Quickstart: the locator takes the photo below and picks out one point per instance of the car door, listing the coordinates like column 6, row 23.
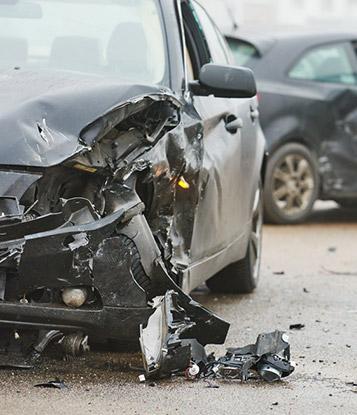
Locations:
column 229, row 138
column 333, row 67
column 346, row 137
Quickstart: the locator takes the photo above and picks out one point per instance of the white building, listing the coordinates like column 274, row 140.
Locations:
column 265, row 14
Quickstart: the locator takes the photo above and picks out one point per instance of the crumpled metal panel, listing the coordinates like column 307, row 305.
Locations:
column 15, row 183
column 43, row 115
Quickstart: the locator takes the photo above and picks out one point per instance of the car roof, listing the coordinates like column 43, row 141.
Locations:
column 277, row 52
column 263, row 42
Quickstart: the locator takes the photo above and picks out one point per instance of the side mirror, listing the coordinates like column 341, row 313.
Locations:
column 225, row 82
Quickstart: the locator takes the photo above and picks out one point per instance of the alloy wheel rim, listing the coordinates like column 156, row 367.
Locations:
column 293, row 184
column 255, row 245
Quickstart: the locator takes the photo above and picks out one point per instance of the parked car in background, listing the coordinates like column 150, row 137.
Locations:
column 307, row 86
column 130, row 164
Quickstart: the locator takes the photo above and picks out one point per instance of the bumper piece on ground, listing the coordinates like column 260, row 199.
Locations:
column 172, row 343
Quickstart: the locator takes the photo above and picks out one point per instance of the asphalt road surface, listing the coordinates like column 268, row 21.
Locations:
column 309, row 276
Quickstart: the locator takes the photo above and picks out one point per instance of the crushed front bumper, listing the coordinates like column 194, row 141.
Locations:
column 76, row 248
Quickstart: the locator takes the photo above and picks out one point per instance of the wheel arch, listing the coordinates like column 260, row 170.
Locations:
column 286, row 129
column 292, row 139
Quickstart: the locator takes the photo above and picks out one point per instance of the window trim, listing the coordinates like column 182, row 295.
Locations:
column 219, row 35
column 197, row 35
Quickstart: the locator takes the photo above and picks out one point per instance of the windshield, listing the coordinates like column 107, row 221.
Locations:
column 122, row 38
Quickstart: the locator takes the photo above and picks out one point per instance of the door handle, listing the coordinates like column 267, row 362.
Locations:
column 254, row 114
column 233, row 124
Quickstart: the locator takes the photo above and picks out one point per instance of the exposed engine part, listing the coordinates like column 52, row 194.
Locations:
column 74, row 297
column 74, row 344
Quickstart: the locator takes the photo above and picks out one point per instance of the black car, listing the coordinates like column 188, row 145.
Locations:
column 130, row 164
column 308, row 103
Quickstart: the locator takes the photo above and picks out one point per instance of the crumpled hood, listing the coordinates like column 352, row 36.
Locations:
column 43, row 113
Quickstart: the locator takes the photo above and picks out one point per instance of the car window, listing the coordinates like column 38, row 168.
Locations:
column 329, row 64
column 215, row 41
column 243, row 52
column 112, row 38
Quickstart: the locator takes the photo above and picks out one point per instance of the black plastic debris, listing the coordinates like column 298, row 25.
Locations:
column 54, row 384
column 340, row 273
column 297, row 326
column 171, row 343
column 176, row 334
column 267, row 359
column 210, row 384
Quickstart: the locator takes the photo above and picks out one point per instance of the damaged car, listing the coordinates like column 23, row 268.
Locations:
column 131, row 164
column 308, row 105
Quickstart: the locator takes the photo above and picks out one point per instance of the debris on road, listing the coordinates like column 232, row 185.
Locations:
column 298, row 326
column 340, row 273
column 173, row 342
column 269, row 358
column 176, row 334
column 142, row 378
column 353, row 386
column 279, row 273
column 54, row 384
column 210, row 384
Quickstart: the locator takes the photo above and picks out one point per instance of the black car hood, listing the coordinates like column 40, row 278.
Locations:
column 42, row 114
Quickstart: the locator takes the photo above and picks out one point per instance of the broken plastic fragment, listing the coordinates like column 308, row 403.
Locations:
column 269, row 358
column 55, row 384
column 297, row 326
column 176, row 334
column 170, row 344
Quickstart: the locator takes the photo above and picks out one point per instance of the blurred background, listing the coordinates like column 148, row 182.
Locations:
column 272, row 15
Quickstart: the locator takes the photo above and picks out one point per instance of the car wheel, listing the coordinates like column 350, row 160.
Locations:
column 291, row 185
column 242, row 277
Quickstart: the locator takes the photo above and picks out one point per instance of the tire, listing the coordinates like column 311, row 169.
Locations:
column 291, row 185
column 242, row 276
